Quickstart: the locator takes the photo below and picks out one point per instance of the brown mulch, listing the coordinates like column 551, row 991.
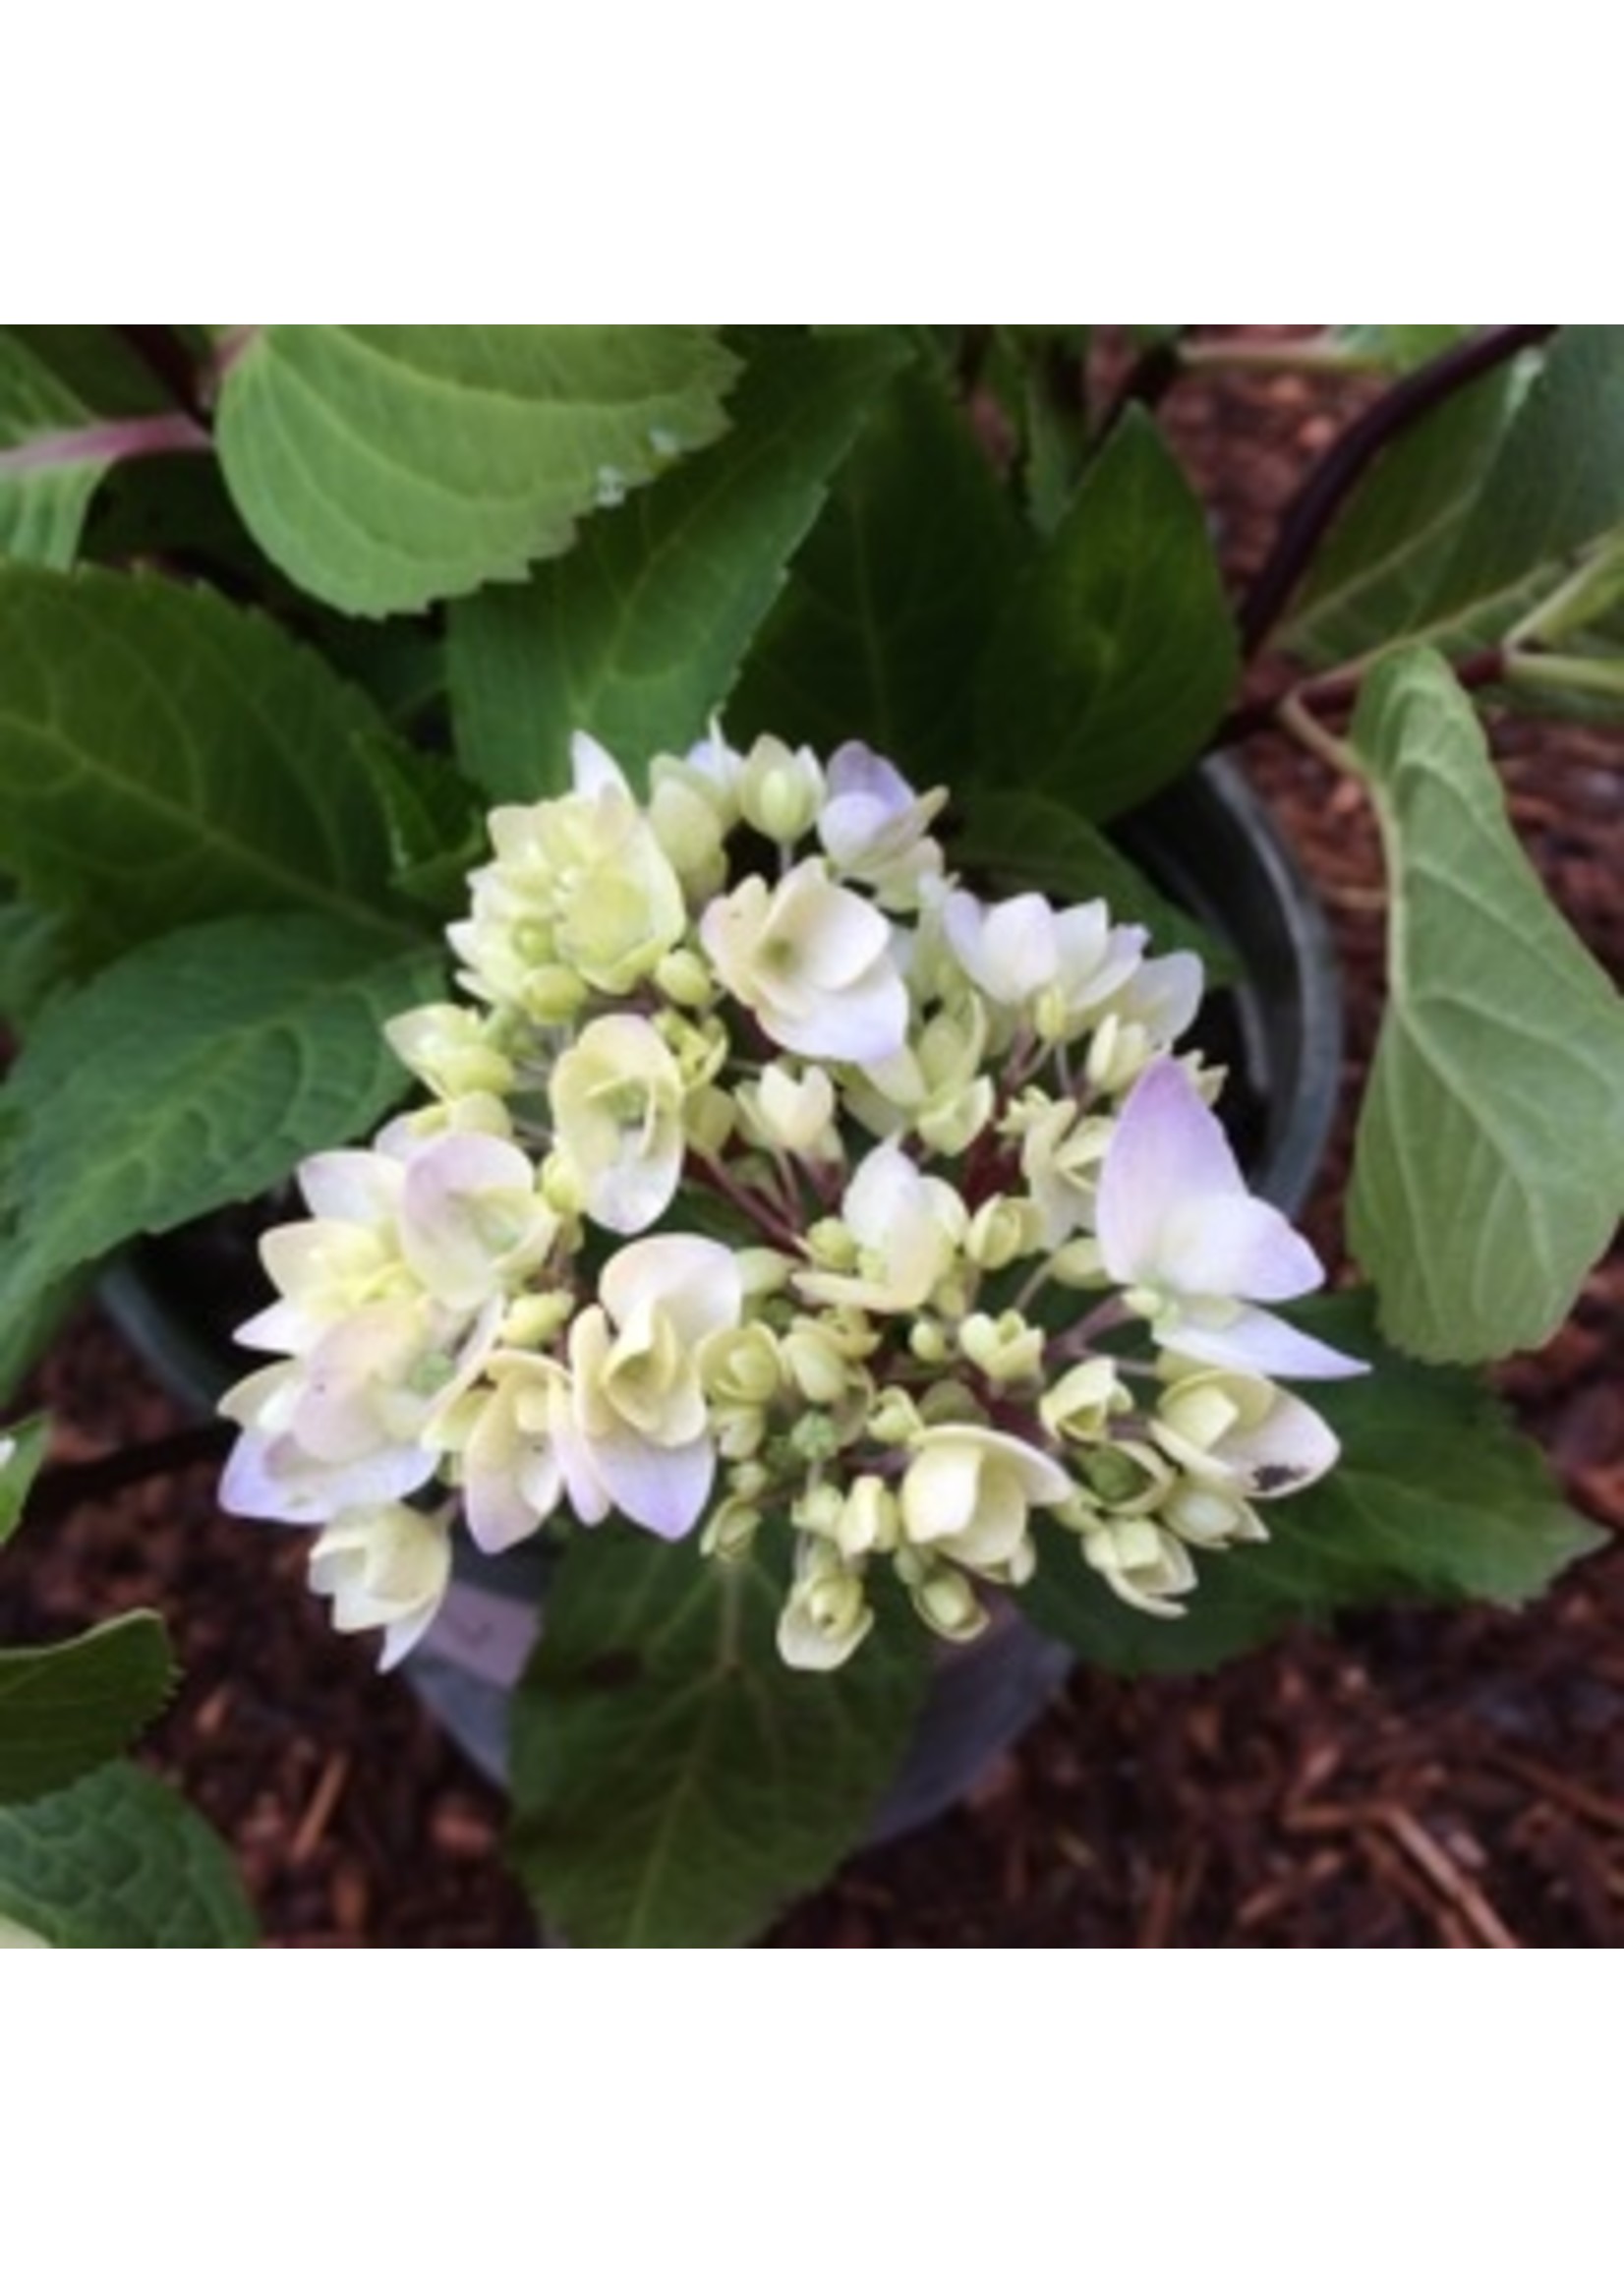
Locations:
column 1416, row 1778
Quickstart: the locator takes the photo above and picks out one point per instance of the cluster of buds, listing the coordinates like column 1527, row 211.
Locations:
column 774, row 1184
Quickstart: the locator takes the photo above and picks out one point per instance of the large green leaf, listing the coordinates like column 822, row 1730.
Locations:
column 1557, row 483
column 1467, row 523
column 195, row 1071
column 1489, row 1162
column 27, row 1441
column 894, row 595
column 119, row 1862
column 166, row 757
column 68, row 1707
column 1117, row 653
column 674, row 1784
column 1375, row 572
column 385, row 466
column 638, row 634
column 1437, row 1497
column 58, row 436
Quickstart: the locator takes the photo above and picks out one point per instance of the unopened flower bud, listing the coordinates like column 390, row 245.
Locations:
column 929, row 1342
column 1128, row 1480
column 1080, row 1405
column 684, row 979
column 894, row 1419
column 781, row 792
column 1005, row 1348
column 1002, row 1229
column 950, row 1605
column 815, row 1364
column 730, row 1532
column 868, row 1520
column 532, row 1321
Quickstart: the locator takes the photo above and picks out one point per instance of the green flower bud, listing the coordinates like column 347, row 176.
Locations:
column 950, row 1605
column 730, row 1532
column 1005, row 1348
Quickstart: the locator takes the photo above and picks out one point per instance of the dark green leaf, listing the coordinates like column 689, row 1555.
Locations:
column 69, row 1707
column 119, row 1862
column 54, row 448
column 1117, row 653
column 437, row 824
column 165, row 757
column 195, row 1071
column 97, row 366
column 1489, row 1163
column 637, row 635
column 1437, row 1497
column 894, row 595
column 385, row 466
column 37, row 957
column 674, row 1784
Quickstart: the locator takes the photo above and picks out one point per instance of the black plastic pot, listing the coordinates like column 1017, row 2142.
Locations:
column 1208, row 844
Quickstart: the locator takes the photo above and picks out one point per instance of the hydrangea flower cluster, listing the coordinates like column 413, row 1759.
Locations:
column 774, row 1181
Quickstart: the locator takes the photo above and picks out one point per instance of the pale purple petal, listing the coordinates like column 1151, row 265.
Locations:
column 661, row 1487
column 1168, row 1155
column 593, row 769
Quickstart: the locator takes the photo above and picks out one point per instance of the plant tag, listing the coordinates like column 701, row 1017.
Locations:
column 485, row 1634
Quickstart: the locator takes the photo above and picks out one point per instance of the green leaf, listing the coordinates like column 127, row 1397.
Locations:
column 894, row 595
column 1557, row 483
column 50, row 458
column 1437, row 1497
column 437, row 824
column 19, row 1466
column 68, row 1707
column 1489, row 1162
column 95, row 364
column 1397, row 347
column 385, row 466
column 674, row 1784
column 165, row 757
column 119, row 1862
column 1483, row 510
column 637, row 635
column 1116, row 655
column 37, row 956
column 1375, row 573
column 195, row 1071
column 30, row 1320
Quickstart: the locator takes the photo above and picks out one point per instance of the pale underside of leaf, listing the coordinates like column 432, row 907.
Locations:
column 1490, row 1167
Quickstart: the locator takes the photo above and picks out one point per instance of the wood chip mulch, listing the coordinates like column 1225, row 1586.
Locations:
column 1416, row 1778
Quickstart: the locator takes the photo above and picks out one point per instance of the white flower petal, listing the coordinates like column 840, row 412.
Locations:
column 1238, row 1246
column 1253, row 1342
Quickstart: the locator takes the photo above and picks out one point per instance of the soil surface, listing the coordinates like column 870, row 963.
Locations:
column 1416, row 1778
